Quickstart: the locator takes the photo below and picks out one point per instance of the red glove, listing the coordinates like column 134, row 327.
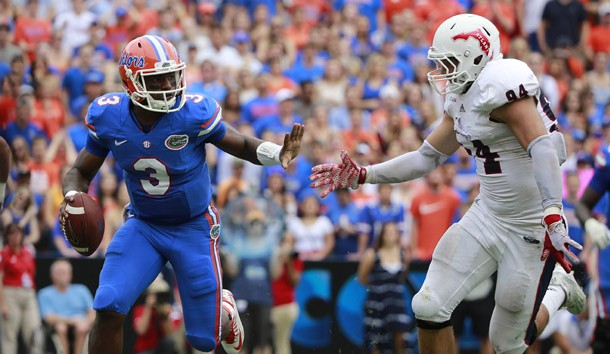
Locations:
column 557, row 242
column 336, row 176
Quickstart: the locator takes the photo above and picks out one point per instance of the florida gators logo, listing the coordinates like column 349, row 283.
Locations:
column 215, row 231
column 176, row 142
column 479, row 36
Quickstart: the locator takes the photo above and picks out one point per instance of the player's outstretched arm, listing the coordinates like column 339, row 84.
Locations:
column 262, row 152
column 5, row 165
column 79, row 177
column 441, row 143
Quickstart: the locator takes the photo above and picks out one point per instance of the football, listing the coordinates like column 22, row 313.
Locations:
column 84, row 226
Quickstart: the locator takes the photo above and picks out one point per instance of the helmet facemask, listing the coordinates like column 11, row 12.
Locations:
column 149, row 83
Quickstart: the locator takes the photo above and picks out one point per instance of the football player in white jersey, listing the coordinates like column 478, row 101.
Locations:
column 494, row 109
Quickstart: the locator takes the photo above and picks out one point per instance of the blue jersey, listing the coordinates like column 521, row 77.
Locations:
column 372, row 218
column 600, row 182
column 165, row 168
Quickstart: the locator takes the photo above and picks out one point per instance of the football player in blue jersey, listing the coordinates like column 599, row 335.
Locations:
column 157, row 133
column 597, row 232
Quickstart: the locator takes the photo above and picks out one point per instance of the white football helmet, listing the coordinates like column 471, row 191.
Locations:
column 462, row 45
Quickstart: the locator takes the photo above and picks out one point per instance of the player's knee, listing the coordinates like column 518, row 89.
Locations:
column 203, row 344
column 427, row 307
column 107, row 299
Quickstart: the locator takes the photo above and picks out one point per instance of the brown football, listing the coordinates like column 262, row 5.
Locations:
column 84, row 226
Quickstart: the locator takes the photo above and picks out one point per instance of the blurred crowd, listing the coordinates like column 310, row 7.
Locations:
column 354, row 72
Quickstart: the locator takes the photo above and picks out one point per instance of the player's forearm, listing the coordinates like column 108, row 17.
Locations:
column 406, row 167
column 75, row 181
column 546, row 171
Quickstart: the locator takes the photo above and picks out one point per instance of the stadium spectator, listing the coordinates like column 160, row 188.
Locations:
column 75, row 24
column 22, row 210
column 23, row 125
column 154, row 321
column 434, row 207
column 599, row 37
column 563, row 26
column 330, row 89
column 313, row 233
column 7, row 49
column 209, row 82
column 18, row 304
column 344, row 216
column 382, row 270
column 66, row 307
column 374, row 215
column 31, row 29
column 286, row 269
column 502, row 14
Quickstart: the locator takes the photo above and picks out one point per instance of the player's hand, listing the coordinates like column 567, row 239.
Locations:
column 292, row 144
column 598, row 233
column 63, row 214
column 557, row 242
column 336, row 176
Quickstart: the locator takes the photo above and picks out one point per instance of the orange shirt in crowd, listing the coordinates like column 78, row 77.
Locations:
column 313, row 9
column 599, row 39
column 50, row 115
column 508, row 13
column 298, row 35
column 32, row 31
column 434, row 12
column 433, row 213
column 393, row 7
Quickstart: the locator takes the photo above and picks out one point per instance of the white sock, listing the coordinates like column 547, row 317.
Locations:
column 553, row 299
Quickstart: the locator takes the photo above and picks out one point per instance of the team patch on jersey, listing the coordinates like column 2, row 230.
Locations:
column 176, row 142
column 215, row 231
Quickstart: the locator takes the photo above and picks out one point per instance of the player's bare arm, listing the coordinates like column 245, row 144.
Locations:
column 262, row 152
column 441, row 143
column 523, row 119
column 79, row 177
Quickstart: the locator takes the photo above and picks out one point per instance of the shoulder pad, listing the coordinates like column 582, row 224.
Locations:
column 103, row 114
column 503, row 81
column 203, row 113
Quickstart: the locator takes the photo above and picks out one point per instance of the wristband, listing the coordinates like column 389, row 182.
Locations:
column 268, row 153
column 70, row 193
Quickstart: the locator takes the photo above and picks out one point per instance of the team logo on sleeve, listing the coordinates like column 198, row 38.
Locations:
column 176, row 142
column 215, row 231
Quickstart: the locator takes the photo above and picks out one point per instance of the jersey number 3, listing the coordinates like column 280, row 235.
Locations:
column 158, row 181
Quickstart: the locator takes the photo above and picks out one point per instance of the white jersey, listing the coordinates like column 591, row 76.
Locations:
column 508, row 187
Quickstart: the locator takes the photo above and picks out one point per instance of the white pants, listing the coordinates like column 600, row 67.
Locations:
column 471, row 251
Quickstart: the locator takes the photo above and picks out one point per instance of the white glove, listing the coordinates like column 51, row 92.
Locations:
column 557, row 240
column 598, row 233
